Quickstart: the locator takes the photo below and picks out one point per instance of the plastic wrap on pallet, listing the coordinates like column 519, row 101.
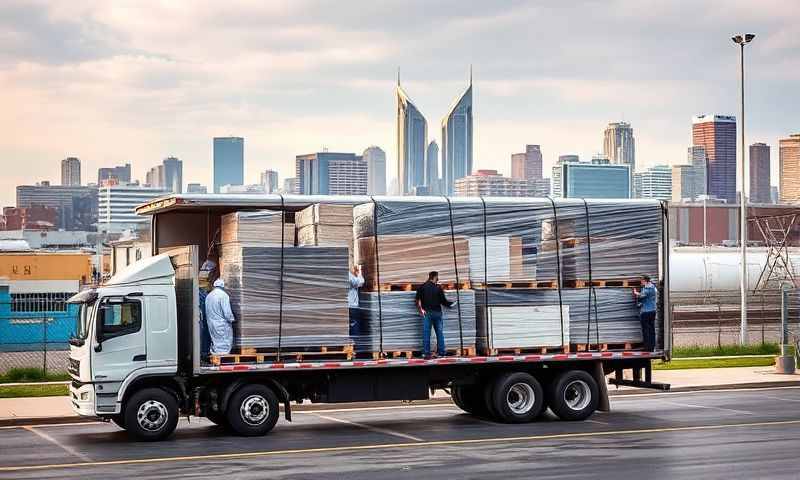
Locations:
column 402, row 324
column 511, row 327
column 261, row 226
column 314, row 305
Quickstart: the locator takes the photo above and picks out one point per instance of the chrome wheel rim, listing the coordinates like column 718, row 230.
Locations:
column 254, row 410
column 577, row 395
column 152, row 415
column 520, row 398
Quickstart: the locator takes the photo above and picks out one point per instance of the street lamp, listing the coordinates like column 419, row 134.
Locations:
column 743, row 40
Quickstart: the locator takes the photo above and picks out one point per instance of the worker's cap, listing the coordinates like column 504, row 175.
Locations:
column 219, row 283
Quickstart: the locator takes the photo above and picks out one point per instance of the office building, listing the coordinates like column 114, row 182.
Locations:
column 619, row 144
column 290, row 185
column 789, row 154
column 489, row 183
column 120, row 174
column 196, row 188
column 412, row 139
column 527, row 165
column 70, row 172
column 432, row 179
column 117, row 206
column 331, row 173
column 655, row 182
column 228, row 161
column 595, row 180
column 759, row 174
column 173, row 175
column 457, row 140
column 155, row 177
column 269, row 179
column 717, row 134
column 539, row 187
column 689, row 179
column 252, row 188
column 76, row 205
column 375, row 158
column 555, row 180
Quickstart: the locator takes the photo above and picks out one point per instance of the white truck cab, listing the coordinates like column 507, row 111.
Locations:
column 126, row 329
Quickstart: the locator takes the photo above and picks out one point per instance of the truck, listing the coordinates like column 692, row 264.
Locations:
column 136, row 360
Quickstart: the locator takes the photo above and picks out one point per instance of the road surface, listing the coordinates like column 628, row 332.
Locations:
column 748, row 433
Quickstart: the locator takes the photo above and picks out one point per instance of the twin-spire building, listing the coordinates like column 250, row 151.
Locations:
column 418, row 160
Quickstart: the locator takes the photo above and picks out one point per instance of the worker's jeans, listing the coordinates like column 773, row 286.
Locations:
column 648, row 320
column 432, row 319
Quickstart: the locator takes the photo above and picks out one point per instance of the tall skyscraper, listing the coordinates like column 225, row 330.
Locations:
column 527, row 165
column 331, row 173
column 689, row 179
column 759, row 174
column 555, row 179
column 789, row 153
column 269, row 180
column 173, row 175
column 619, row 144
column 70, row 172
column 655, row 182
column 228, row 161
column 154, row 178
column 412, row 138
column 120, row 174
column 717, row 134
column 375, row 159
column 432, row 179
column 457, row 140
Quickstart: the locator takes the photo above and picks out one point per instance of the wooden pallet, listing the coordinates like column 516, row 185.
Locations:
column 527, row 284
column 256, row 355
column 627, row 283
column 451, row 352
column 607, row 347
column 528, row 350
column 412, row 287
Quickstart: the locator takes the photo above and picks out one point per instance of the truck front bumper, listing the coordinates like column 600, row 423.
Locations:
column 82, row 398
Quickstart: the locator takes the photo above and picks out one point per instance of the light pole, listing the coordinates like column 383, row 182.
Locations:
column 743, row 40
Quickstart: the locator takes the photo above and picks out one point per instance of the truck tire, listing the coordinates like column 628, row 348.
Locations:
column 151, row 414
column 469, row 398
column 517, row 397
column 252, row 410
column 573, row 395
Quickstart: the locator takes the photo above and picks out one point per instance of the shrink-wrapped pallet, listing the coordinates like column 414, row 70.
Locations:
column 326, row 225
column 257, row 227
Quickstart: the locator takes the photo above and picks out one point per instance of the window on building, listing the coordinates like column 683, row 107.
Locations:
column 40, row 302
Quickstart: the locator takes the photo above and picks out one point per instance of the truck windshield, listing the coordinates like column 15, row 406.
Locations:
column 84, row 317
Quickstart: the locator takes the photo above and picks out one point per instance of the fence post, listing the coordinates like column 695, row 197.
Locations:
column 44, row 345
column 784, row 363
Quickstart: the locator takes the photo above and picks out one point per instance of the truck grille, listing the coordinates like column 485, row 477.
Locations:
column 74, row 367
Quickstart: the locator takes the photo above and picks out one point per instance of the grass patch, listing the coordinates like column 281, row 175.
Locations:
column 726, row 350
column 24, row 375
column 681, row 364
column 18, row 391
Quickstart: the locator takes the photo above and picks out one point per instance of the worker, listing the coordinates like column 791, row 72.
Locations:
column 220, row 319
column 647, row 299
column 207, row 272
column 430, row 298
column 355, row 281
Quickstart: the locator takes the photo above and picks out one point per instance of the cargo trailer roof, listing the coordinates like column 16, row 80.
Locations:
column 299, row 202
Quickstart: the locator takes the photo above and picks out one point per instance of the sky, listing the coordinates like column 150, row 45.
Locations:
column 135, row 82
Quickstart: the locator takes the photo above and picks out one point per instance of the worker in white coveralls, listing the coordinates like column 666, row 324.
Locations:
column 220, row 319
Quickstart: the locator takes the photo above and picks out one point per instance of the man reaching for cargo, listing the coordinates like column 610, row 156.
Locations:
column 430, row 298
column 220, row 319
column 647, row 300
column 356, row 281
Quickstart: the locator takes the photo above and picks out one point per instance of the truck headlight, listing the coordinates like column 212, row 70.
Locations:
column 84, row 396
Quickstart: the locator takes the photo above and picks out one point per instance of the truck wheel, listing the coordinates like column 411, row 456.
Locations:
column 517, row 397
column 252, row 410
column 574, row 395
column 469, row 398
column 151, row 414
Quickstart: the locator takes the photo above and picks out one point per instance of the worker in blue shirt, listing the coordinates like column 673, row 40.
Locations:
column 647, row 299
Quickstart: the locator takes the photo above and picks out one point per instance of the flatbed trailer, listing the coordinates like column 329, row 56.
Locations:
column 144, row 384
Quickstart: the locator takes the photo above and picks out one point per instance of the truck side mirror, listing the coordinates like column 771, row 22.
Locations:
column 98, row 326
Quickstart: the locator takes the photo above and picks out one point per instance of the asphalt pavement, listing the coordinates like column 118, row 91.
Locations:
column 745, row 433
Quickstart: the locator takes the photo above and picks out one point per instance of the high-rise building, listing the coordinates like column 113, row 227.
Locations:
column 432, row 179
column 120, row 174
column 70, row 172
column 527, row 165
column 595, row 180
column 173, row 175
column 412, row 138
column 331, row 173
column 759, row 174
column 789, row 153
column 717, row 134
column 489, row 183
column 290, row 185
column 228, row 161
column 555, row 180
column 76, row 205
column 540, row 187
column 655, row 182
column 196, row 188
column 689, row 180
column 375, row 158
column 117, row 206
column 154, row 178
column 619, row 145
column 457, row 140
column 269, row 179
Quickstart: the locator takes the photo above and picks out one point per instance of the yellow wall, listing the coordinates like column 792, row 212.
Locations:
column 46, row 266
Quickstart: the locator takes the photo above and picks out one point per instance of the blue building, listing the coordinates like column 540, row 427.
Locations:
column 595, row 180
column 412, row 140
column 457, row 140
column 35, row 321
column 228, row 161
column 331, row 173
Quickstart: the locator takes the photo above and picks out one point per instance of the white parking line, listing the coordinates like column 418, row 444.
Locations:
column 385, row 431
column 66, row 448
column 691, row 405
